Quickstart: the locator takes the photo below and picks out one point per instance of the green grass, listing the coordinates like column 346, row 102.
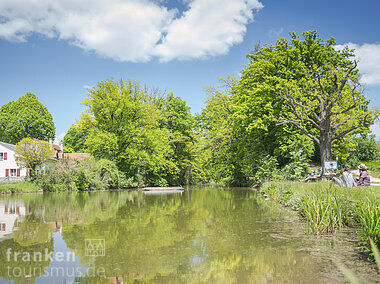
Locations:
column 19, row 187
column 328, row 207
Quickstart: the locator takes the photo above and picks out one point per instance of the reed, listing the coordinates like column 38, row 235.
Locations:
column 328, row 207
column 368, row 216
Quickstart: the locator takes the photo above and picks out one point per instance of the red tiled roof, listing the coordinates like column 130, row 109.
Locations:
column 55, row 147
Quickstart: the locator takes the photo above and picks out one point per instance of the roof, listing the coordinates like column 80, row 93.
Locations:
column 55, row 147
column 9, row 146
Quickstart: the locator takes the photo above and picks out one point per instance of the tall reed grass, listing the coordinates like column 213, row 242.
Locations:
column 327, row 207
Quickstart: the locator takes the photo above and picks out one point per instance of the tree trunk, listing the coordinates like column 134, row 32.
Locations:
column 325, row 149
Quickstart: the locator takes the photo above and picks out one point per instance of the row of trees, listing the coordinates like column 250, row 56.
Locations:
column 296, row 100
column 147, row 133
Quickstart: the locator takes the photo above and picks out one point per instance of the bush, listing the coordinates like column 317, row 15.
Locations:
column 61, row 177
column 87, row 174
column 297, row 168
column 125, row 182
column 365, row 150
column 267, row 170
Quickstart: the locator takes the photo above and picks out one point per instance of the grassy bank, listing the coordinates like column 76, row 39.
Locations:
column 19, row 187
column 328, row 207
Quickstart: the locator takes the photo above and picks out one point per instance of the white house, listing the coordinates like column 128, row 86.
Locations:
column 9, row 170
column 10, row 212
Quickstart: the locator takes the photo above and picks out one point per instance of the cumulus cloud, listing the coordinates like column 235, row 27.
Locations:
column 132, row 30
column 369, row 61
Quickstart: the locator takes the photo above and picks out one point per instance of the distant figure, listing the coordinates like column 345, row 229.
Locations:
column 312, row 175
column 364, row 177
column 347, row 178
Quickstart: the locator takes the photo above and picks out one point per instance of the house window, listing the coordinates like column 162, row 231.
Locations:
column 13, row 173
column 12, row 209
column 1, row 156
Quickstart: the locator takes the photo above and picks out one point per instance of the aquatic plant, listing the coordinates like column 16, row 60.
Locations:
column 327, row 207
column 368, row 216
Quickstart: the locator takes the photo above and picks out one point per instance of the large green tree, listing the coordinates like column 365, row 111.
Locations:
column 26, row 117
column 74, row 140
column 300, row 88
column 125, row 127
column 178, row 121
column 219, row 136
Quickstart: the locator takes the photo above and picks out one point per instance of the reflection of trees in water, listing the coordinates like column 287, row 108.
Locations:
column 203, row 236
column 169, row 237
column 32, row 230
column 24, row 270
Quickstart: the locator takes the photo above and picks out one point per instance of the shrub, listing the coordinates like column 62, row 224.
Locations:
column 267, row 170
column 365, row 150
column 297, row 168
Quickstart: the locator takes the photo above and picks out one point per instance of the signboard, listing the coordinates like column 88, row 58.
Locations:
column 331, row 165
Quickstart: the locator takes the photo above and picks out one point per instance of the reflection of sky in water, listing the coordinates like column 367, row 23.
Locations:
column 62, row 271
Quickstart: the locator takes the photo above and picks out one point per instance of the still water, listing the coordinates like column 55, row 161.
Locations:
column 200, row 236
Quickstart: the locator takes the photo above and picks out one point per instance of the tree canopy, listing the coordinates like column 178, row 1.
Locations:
column 296, row 90
column 26, row 117
column 30, row 153
column 147, row 134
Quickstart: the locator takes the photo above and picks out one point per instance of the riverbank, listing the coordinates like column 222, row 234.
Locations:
column 20, row 187
column 328, row 207
column 30, row 187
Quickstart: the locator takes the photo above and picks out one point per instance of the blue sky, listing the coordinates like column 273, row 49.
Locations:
column 57, row 49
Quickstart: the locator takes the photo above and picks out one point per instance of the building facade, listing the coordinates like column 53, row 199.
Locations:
column 9, row 170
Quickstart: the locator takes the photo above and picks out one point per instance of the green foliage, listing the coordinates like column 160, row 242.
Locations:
column 328, row 207
column 125, row 182
column 26, row 117
column 218, row 140
column 147, row 135
column 82, row 181
column 74, row 140
column 366, row 150
column 83, row 175
column 323, row 210
column 31, row 154
column 298, row 167
column 287, row 73
column 267, row 171
column 178, row 122
column 19, row 187
column 367, row 213
column 62, row 177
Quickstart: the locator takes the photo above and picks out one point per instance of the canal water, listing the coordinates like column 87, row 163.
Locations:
column 207, row 235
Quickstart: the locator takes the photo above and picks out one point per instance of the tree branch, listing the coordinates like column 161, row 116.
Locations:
column 300, row 128
column 352, row 128
column 293, row 103
column 344, row 81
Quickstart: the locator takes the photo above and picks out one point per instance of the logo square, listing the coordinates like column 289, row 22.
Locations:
column 95, row 247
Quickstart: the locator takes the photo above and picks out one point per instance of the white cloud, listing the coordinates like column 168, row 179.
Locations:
column 375, row 128
column 369, row 61
column 59, row 138
column 132, row 30
column 276, row 32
